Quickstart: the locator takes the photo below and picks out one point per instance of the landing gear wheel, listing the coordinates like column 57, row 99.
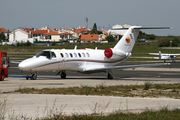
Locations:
column 63, row 74
column 34, row 76
column 109, row 76
column 2, row 76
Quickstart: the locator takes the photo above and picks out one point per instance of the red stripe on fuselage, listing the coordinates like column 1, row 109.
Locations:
column 97, row 61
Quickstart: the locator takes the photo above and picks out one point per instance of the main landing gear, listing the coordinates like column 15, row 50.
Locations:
column 63, row 74
column 32, row 77
column 109, row 75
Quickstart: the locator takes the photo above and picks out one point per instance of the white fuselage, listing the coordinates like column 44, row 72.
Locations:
column 168, row 57
column 73, row 60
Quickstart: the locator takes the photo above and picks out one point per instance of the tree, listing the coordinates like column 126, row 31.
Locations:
column 110, row 38
column 152, row 37
column 2, row 36
column 142, row 35
column 94, row 30
column 175, row 43
column 95, row 26
column 118, row 37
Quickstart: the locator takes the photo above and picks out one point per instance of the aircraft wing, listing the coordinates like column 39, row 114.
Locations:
column 154, row 53
column 125, row 66
column 170, row 54
column 163, row 54
column 14, row 62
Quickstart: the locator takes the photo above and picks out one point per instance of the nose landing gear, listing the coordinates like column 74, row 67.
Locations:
column 32, row 77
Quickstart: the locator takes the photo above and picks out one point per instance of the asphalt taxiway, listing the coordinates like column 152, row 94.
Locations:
column 156, row 74
column 28, row 104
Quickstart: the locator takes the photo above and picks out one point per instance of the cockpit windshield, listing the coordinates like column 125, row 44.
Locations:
column 47, row 54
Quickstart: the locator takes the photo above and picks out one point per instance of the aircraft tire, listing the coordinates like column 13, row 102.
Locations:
column 109, row 76
column 2, row 76
column 63, row 74
column 34, row 77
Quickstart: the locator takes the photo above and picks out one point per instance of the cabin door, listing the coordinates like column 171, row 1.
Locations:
column 62, row 60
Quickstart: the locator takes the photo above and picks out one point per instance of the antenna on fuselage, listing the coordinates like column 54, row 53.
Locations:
column 75, row 47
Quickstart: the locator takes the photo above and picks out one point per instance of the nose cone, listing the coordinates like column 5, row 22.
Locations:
column 25, row 65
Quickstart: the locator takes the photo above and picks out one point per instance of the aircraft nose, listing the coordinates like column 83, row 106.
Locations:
column 23, row 66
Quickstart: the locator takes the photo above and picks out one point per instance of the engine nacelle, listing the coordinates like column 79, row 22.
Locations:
column 109, row 52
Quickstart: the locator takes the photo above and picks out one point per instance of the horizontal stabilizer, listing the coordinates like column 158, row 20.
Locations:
column 139, row 27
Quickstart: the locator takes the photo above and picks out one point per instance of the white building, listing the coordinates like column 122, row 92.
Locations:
column 118, row 32
column 19, row 35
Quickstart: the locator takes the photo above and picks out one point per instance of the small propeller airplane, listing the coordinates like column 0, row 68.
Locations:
column 86, row 60
column 165, row 56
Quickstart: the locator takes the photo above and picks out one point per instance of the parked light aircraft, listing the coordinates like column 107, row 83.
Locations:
column 86, row 60
column 165, row 56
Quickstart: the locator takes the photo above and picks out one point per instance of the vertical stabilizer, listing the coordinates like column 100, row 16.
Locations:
column 126, row 43
column 160, row 56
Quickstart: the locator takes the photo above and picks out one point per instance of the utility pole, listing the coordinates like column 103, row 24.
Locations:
column 86, row 22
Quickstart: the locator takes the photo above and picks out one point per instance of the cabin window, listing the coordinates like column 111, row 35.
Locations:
column 87, row 54
column 75, row 54
column 67, row 55
column 53, row 55
column 83, row 55
column 61, row 55
column 71, row 54
column 47, row 54
column 79, row 54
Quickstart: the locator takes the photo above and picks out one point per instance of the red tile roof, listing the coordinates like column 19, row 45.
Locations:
column 64, row 33
column 27, row 29
column 52, row 33
column 40, row 32
column 66, row 28
column 82, row 30
column 49, row 32
column 24, row 31
column 4, row 30
column 89, row 37
column 105, row 32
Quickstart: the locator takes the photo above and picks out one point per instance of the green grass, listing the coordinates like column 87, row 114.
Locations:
column 166, row 37
column 139, row 48
column 147, row 90
column 162, row 114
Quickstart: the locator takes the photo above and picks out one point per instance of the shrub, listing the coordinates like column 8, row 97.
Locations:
column 147, row 85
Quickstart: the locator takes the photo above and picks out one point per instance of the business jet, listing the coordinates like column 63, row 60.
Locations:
column 165, row 56
column 86, row 60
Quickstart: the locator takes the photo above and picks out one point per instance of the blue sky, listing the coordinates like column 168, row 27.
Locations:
column 105, row 13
